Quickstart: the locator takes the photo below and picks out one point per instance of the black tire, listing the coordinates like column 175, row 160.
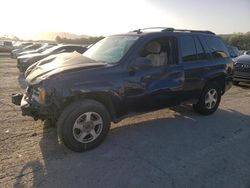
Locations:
column 66, row 121
column 236, row 83
column 50, row 122
column 201, row 107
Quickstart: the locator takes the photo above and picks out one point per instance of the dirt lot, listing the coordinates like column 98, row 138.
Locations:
column 168, row 148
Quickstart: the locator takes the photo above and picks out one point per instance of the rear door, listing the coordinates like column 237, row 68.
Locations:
column 196, row 63
column 219, row 54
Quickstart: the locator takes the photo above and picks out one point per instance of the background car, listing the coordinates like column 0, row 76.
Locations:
column 6, row 46
column 50, row 59
column 18, row 44
column 247, row 52
column 39, row 50
column 242, row 69
column 23, row 62
column 14, row 53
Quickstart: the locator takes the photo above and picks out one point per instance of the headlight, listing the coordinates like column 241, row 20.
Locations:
column 42, row 96
column 39, row 95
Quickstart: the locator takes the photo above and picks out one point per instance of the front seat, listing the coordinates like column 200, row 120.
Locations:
column 154, row 54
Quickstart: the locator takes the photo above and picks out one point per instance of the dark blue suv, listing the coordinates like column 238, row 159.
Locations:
column 136, row 72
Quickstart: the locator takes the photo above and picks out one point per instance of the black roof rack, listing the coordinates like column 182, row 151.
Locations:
column 148, row 28
column 195, row 31
column 169, row 29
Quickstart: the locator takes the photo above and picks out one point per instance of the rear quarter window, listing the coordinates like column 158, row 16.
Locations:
column 216, row 47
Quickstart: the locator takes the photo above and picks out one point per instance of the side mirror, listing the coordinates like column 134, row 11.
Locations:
column 141, row 63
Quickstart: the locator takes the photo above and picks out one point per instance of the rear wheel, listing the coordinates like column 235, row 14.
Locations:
column 209, row 100
column 83, row 125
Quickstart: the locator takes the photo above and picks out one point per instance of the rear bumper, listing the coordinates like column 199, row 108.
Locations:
column 32, row 109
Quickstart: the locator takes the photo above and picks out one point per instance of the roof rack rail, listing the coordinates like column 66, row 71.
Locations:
column 195, row 31
column 148, row 28
column 170, row 29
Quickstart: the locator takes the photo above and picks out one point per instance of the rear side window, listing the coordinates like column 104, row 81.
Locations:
column 201, row 55
column 188, row 48
column 216, row 47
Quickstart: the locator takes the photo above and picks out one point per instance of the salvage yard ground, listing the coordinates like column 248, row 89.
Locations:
column 168, row 148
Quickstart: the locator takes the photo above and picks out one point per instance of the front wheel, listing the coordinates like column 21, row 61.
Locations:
column 209, row 100
column 83, row 125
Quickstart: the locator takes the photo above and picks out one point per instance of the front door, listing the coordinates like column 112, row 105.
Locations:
column 158, row 86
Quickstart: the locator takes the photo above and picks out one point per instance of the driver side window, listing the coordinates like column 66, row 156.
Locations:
column 161, row 51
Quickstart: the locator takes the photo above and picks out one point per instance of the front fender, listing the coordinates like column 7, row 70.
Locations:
column 103, row 92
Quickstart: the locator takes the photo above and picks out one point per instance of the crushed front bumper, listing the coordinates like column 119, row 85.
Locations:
column 17, row 98
column 31, row 108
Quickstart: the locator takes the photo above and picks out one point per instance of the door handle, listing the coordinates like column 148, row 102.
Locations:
column 147, row 77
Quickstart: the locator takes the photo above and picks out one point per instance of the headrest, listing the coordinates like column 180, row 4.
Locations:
column 153, row 47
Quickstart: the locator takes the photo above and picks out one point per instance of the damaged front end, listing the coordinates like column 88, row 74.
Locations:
column 33, row 103
column 17, row 98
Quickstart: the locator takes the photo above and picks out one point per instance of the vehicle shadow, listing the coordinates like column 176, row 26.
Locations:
column 179, row 148
column 244, row 85
column 21, row 81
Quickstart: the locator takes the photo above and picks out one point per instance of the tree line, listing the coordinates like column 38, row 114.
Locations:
column 83, row 41
column 240, row 40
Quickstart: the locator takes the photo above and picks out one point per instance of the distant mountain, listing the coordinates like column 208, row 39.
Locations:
column 9, row 37
column 52, row 36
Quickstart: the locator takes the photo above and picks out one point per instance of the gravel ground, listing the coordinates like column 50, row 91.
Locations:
column 168, row 148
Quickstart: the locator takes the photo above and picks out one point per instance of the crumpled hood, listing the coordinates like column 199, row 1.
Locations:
column 61, row 63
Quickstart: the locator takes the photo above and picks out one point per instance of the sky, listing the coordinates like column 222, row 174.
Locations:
column 25, row 18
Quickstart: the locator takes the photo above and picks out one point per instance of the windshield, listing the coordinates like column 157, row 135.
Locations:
column 110, row 49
